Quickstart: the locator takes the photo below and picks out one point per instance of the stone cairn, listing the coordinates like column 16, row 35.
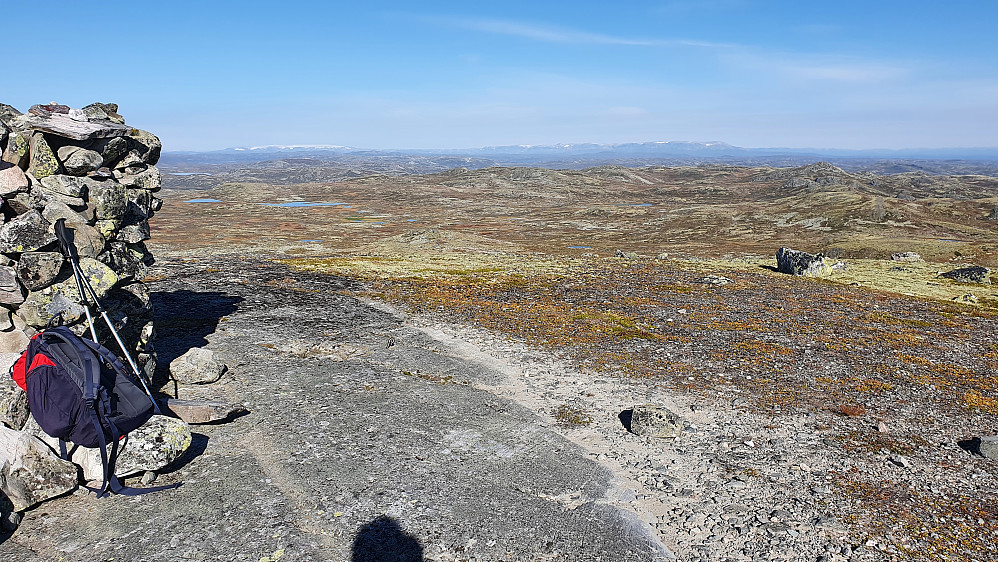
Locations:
column 88, row 167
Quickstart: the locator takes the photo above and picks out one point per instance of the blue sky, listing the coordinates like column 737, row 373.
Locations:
column 207, row 75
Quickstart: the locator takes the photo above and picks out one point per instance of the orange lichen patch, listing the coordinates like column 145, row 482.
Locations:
column 976, row 401
column 879, row 317
column 913, row 359
column 855, row 385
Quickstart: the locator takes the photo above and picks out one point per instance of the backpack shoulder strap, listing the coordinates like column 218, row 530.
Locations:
column 117, row 365
column 91, row 370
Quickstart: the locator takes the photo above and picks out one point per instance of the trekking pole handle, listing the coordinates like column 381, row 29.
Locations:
column 66, row 245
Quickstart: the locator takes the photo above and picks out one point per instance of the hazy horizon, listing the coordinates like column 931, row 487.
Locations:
column 384, row 75
column 568, row 144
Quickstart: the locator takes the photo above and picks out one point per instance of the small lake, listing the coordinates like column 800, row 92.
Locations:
column 580, row 247
column 305, row 204
column 203, row 201
column 307, row 241
column 635, row 205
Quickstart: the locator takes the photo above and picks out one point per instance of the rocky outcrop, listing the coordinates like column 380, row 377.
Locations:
column 795, row 262
column 906, row 257
column 973, row 274
column 88, row 167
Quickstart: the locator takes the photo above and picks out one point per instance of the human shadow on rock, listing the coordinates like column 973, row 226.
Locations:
column 384, row 540
column 183, row 321
column 972, row 446
column 625, row 418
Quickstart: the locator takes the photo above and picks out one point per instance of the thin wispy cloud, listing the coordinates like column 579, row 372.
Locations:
column 552, row 34
column 816, row 67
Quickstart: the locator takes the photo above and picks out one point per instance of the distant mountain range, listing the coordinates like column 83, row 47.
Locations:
column 621, row 150
column 584, row 155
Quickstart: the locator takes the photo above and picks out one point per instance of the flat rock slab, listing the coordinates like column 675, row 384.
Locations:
column 348, row 459
column 201, row 411
column 64, row 126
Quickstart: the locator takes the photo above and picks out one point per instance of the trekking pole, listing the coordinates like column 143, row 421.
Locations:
column 69, row 250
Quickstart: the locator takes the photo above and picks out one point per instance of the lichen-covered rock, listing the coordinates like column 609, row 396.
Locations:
column 108, row 199
column 150, row 179
column 147, row 145
column 12, row 179
column 42, row 161
column 13, row 404
column 30, row 472
column 88, row 241
column 111, row 150
column 197, row 366
column 140, row 205
column 130, row 261
column 70, row 186
column 40, row 197
column 41, row 307
column 104, row 111
column 795, row 262
column 11, row 291
column 154, row 445
column 132, row 299
column 130, row 163
column 18, row 148
column 974, row 274
column 25, row 233
column 134, row 233
column 655, row 421
column 37, row 270
column 63, row 297
column 79, row 161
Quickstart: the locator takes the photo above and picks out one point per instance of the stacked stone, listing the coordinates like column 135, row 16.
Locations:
column 87, row 167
